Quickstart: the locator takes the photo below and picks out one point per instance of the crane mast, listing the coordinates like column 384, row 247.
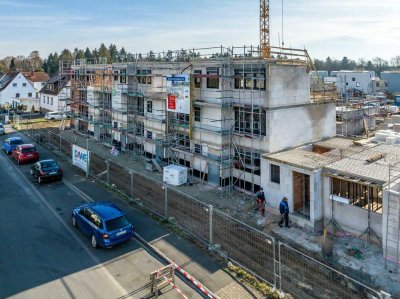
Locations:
column 265, row 48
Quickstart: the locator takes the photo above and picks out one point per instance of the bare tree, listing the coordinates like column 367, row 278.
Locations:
column 396, row 61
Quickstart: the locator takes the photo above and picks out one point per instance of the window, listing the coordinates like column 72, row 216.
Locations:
column 183, row 142
column 47, row 100
column 116, row 74
column 14, row 84
column 149, row 134
column 23, row 84
column 117, row 223
column 197, row 114
column 144, row 76
column 182, row 119
column 250, row 79
column 377, row 84
column 29, row 94
column 248, row 160
column 149, row 106
column 51, row 99
column 197, row 80
column 353, row 79
column 198, row 148
column 275, row 174
column 17, row 95
column 139, row 129
column 44, row 100
column 115, row 125
column 247, row 122
column 358, row 194
column 43, row 83
column 358, row 84
column 122, row 78
column 212, row 77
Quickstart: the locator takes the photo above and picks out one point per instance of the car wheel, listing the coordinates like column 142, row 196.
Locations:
column 40, row 180
column 52, row 118
column 73, row 220
column 94, row 241
column 31, row 172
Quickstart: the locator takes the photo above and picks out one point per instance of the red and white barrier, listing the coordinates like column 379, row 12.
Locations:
column 195, row 282
column 176, row 288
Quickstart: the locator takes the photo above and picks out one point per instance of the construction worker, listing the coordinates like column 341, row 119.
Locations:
column 284, row 210
column 260, row 196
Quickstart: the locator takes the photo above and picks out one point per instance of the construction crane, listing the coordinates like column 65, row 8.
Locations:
column 265, row 47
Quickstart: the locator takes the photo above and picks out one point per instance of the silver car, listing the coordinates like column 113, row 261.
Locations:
column 2, row 130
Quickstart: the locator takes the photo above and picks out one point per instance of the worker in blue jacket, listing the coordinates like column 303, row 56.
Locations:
column 284, row 210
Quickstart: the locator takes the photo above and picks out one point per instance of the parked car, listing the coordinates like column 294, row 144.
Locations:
column 106, row 224
column 2, row 130
column 25, row 153
column 55, row 115
column 46, row 170
column 10, row 144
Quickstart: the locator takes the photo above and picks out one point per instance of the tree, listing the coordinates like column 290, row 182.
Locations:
column 88, row 54
column 66, row 55
column 151, row 56
column 112, row 49
column 396, row 62
column 104, row 53
column 122, row 55
column 35, row 61
column 80, row 55
column 380, row 64
column 12, row 66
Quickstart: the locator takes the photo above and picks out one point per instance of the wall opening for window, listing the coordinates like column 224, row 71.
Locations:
column 144, row 76
column 358, row 194
column 248, row 160
column 275, row 174
column 149, row 106
column 250, row 122
column 250, row 79
column 197, row 114
column 212, row 77
column 301, row 193
column 197, row 80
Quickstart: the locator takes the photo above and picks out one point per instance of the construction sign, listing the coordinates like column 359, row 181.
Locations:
column 178, row 93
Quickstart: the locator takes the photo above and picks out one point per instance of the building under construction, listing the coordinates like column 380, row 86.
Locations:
column 238, row 106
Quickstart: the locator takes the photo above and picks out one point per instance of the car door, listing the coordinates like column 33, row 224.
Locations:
column 84, row 221
column 16, row 152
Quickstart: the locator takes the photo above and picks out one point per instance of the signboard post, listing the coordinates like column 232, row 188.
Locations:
column 178, row 93
column 80, row 158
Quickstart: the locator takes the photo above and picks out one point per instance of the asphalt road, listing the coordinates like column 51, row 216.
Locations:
column 43, row 256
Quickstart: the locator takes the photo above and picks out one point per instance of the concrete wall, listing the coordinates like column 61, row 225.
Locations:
column 393, row 79
column 351, row 218
column 287, row 85
column 390, row 231
column 294, row 126
column 275, row 192
column 9, row 94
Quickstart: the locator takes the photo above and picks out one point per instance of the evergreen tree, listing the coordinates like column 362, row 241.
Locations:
column 112, row 49
column 12, row 65
column 88, row 54
column 104, row 53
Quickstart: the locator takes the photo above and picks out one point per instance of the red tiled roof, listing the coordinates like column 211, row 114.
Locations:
column 36, row 76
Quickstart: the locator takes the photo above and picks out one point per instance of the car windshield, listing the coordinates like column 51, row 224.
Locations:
column 117, row 223
column 1, row 126
column 28, row 149
column 15, row 141
column 49, row 164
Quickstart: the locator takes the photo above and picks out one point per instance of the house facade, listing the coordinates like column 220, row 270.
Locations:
column 14, row 86
column 55, row 95
column 353, row 80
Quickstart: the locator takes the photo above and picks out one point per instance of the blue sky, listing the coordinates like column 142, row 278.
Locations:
column 356, row 28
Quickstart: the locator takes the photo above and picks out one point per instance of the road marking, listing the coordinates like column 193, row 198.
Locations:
column 100, row 266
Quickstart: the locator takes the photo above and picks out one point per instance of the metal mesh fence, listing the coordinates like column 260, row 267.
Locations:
column 189, row 213
column 293, row 271
column 251, row 248
column 305, row 277
column 150, row 193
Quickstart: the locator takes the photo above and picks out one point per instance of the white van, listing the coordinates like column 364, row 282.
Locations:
column 55, row 115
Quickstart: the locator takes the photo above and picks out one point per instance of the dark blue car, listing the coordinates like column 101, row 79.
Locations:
column 11, row 144
column 106, row 224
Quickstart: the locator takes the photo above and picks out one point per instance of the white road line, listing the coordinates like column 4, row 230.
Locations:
column 100, row 265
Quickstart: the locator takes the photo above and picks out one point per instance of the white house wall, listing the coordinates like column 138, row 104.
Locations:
column 9, row 93
column 291, row 127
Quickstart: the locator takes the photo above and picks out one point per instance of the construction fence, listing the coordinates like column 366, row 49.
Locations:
column 273, row 262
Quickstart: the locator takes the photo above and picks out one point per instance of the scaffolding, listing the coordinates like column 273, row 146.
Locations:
column 126, row 103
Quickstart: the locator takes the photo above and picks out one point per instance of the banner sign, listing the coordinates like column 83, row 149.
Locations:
column 80, row 157
column 178, row 93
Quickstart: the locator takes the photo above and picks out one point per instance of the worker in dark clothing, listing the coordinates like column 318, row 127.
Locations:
column 284, row 210
column 260, row 196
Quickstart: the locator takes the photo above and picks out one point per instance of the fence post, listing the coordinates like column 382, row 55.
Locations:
column 165, row 187
column 60, row 143
column 108, row 172
column 210, row 223
column 280, row 266
column 131, row 173
column 88, row 162
column 49, row 140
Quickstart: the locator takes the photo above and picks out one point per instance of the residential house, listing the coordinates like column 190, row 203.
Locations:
column 37, row 79
column 14, row 86
column 353, row 80
column 55, row 95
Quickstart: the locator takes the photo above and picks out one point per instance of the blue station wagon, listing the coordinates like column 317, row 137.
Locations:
column 105, row 223
column 11, row 144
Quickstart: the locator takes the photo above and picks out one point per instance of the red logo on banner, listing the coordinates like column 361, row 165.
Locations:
column 172, row 102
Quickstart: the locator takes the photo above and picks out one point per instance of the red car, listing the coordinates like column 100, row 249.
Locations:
column 25, row 153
